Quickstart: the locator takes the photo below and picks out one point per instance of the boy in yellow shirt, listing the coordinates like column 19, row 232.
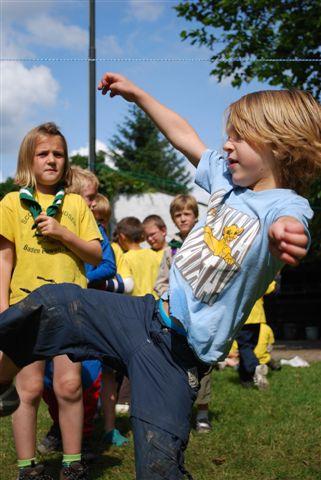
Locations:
column 140, row 264
column 155, row 234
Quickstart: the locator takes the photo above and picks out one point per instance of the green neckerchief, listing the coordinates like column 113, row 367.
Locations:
column 175, row 243
column 26, row 195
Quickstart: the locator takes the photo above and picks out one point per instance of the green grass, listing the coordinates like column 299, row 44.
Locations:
column 270, row 435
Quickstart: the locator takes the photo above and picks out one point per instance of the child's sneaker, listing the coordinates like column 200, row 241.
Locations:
column 35, row 472
column 122, row 408
column 75, row 471
column 259, row 378
column 9, row 399
column 51, row 442
column 203, row 425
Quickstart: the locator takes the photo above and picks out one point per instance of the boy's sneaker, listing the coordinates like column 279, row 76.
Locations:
column 51, row 442
column 259, row 378
column 35, row 472
column 122, row 408
column 9, row 399
column 75, row 471
column 203, row 425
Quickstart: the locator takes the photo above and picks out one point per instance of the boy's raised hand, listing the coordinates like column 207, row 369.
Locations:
column 288, row 240
column 116, row 84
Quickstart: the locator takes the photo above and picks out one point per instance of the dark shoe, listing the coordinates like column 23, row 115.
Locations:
column 75, row 471
column 51, row 442
column 35, row 472
column 203, row 425
column 87, row 451
column 9, row 399
column 274, row 365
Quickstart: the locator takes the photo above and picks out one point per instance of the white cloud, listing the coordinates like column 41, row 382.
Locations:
column 23, row 91
column 51, row 32
column 147, row 11
column 99, row 146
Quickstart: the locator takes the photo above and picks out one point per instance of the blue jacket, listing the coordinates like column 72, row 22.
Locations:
column 106, row 269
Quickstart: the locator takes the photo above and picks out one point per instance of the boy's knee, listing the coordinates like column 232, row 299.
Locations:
column 68, row 389
column 31, row 393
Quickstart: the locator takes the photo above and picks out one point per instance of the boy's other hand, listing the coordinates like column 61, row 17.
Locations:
column 288, row 240
column 116, row 84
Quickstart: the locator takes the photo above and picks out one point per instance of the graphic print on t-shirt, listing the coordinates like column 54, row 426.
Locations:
column 212, row 255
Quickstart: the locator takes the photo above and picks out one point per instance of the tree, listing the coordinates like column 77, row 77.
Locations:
column 141, row 153
column 254, row 30
column 7, row 186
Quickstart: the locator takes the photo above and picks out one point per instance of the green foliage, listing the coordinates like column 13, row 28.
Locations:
column 139, row 151
column 238, row 33
column 144, row 162
column 7, row 186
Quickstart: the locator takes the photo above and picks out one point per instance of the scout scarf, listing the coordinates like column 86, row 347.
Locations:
column 26, row 195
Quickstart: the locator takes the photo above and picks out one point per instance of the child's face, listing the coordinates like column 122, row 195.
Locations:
column 88, row 193
column 156, row 237
column 48, row 161
column 184, row 221
column 251, row 168
column 99, row 218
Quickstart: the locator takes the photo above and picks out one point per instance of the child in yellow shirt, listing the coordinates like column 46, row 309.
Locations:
column 140, row 264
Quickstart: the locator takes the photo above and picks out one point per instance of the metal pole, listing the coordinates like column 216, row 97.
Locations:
column 92, row 88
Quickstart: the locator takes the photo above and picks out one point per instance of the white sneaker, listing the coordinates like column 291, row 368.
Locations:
column 259, row 378
column 122, row 408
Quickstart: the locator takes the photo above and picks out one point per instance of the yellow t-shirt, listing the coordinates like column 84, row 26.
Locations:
column 43, row 260
column 159, row 254
column 142, row 265
column 118, row 252
column 257, row 314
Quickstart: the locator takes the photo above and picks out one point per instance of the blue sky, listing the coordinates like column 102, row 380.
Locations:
column 33, row 92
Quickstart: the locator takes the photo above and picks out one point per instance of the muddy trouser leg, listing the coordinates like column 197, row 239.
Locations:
column 165, row 380
column 158, row 454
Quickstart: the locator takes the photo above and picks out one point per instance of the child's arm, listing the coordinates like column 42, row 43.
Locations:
column 178, row 132
column 88, row 252
column 106, row 268
column 288, row 240
column 7, row 256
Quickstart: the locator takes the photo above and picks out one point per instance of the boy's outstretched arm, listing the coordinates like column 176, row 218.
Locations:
column 288, row 240
column 177, row 130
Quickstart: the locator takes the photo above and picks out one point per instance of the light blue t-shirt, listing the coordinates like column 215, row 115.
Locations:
column 225, row 265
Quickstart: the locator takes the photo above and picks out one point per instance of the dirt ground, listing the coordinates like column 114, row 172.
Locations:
column 308, row 350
